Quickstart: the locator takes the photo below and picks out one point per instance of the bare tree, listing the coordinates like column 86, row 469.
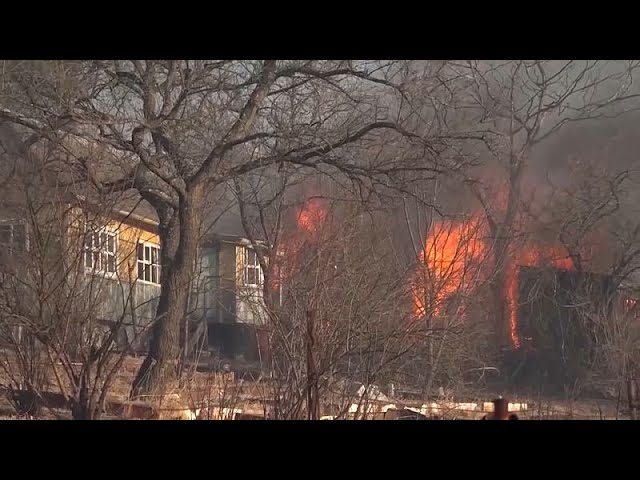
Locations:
column 67, row 311
column 516, row 105
column 339, row 302
column 184, row 127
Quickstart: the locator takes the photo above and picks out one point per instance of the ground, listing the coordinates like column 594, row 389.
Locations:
column 227, row 392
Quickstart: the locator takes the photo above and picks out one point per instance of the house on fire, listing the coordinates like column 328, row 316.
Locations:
column 560, row 314
column 101, row 255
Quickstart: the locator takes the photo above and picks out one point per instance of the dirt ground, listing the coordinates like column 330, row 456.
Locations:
column 210, row 388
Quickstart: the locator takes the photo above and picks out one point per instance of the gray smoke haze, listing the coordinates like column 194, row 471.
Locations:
column 603, row 148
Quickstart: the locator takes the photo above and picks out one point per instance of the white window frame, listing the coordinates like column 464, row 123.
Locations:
column 101, row 252
column 259, row 274
column 147, row 263
column 11, row 245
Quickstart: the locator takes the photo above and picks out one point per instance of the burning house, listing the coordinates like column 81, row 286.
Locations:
column 555, row 337
column 548, row 303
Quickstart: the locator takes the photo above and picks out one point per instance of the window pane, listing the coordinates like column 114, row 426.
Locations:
column 147, row 254
column 147, row 273
column 5, row 234
column 96, row 240
column 251, row 276
column 154, row 256
column 140, row 251
column 111, row 265
column 19, row 237
column 87, row 259
column 251, row 257
column 103, row 240
column 96, row 260
column 140, row 271
column 112, row 243
column 88, row 242
column 154, row 274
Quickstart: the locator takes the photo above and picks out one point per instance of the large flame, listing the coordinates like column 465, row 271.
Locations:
column 311, row 218
column 451, row 262
column 312, row 215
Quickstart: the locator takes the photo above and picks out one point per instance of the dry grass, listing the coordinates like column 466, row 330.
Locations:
column 214, row 395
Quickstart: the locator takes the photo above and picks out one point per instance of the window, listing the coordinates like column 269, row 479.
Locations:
column 629, row 303
column 100, row 251
column 149, row 263
column 13, row 237
column 629, row 306
column 252, row 271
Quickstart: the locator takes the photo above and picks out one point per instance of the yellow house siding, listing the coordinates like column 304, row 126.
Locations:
column 239, row 265
column 128, row 236
column 228, row 264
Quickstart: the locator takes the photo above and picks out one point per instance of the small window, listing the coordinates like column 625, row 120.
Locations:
column 629, row 305
column 252, row 272
column 149, row 263
column 13, row 237
column 100, row 250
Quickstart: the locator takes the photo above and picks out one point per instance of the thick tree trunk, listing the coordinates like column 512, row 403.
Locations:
column 179, row 238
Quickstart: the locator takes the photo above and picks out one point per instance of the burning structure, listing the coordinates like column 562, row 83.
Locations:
column 556, row 340
column 546, row 300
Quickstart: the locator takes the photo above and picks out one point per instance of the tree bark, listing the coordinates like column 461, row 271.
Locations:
column 179, row 237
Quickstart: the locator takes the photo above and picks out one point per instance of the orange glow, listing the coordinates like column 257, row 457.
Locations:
column 311, row 218
column 449, row 264
column 451, row 261
column 512, row 303
column 312, row 215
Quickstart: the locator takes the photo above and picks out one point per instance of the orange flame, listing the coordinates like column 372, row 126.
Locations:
column 512, row 303
column 448, row 264
column 451, row 261
column 312, row 215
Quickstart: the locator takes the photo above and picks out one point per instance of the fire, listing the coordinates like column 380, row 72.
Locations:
column 540, row 255
column 312, row 216
column 449, row 263
column 512, row 303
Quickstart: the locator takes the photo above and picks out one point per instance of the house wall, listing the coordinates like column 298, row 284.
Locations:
column 557, row 341
column 228, row 286
column 221, row 303
column 129, row 234
column 119, row 297
column 249, row 299
column 219, row 294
